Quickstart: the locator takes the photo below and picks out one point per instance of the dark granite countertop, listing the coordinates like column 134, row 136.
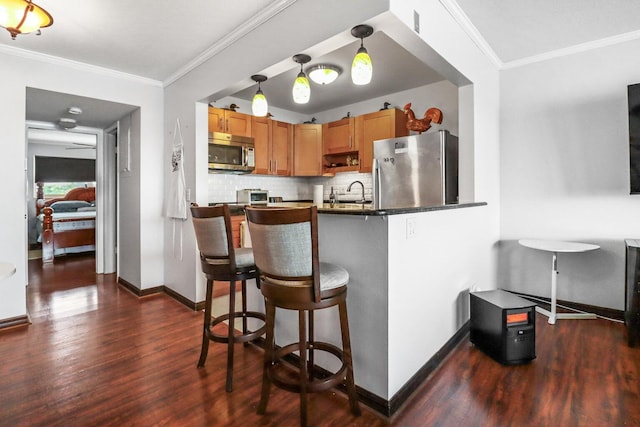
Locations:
column 354, row 208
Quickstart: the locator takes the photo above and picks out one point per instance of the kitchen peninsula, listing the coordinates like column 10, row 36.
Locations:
column 405, row 300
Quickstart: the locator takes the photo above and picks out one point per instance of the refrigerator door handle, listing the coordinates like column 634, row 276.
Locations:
column 376, row 184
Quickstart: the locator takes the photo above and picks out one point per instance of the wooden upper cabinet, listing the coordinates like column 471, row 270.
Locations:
column 227, row 121
column 261, row 136
column 307, row 150
column 273, row 143
column 216, row 120
column 339, row 136
column 370, row 127
column 281, row 147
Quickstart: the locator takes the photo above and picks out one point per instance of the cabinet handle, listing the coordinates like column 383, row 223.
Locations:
column 275, row 167
column 220, row 124
column 227, row 129
column 349, row 141
column 270, row 166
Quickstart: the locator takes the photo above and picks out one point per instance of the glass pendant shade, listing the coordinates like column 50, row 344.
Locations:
column 23, row 17
column 301, row 90
column 361, row 68
column 259, row 106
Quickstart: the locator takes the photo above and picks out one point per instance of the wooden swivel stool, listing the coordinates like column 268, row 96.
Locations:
column 221, row 261
column 285, row 246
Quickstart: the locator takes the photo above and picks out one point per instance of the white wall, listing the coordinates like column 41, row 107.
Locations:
column 565, row 172
column 430, row 276
column 129, row 200
column 20, row 70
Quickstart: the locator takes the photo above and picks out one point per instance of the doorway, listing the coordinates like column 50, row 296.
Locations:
column 99, row 119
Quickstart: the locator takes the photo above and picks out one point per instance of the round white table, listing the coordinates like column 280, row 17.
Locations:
column 6, row 269
column 555, row 247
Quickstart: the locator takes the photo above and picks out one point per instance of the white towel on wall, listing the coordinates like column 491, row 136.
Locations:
column 176, row 206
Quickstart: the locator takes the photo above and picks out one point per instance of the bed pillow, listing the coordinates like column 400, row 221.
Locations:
column 69, row 205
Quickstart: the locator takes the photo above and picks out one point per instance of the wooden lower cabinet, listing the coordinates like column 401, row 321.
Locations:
column 222, row 288
column 307, row 150
column 370, row 127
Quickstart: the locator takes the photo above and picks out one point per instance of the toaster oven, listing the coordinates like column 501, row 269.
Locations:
column 252, row 196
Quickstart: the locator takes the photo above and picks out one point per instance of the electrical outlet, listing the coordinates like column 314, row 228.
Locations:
column 416, row 22
column 411, row 228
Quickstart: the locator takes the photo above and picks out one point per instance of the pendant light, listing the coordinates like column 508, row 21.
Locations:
column 361, row 68
column 259, row 105
column 301, row 90
column 23, row 17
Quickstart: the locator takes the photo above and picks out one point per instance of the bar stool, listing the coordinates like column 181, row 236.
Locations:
column 285, row 246
column 221, row 261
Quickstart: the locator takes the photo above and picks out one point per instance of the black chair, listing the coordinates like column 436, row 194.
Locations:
column 285, row 246
column 222, row 262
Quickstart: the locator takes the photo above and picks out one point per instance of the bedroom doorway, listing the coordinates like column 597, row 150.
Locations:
column 70, row 116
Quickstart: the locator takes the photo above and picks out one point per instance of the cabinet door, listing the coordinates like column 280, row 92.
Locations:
column 238, row 123
column 260, row 133
column 338, row 136
column 307, row 150
column 281, row 139
column 216, row 120
column 379, row 125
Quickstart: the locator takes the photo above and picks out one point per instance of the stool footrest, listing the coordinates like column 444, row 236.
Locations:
column 240, row 338
column 288, row 379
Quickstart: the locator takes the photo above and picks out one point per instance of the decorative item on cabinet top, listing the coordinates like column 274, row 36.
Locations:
column 432, row 115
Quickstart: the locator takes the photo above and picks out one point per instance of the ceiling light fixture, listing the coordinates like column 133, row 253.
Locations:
column 361, row 68
column 301, row 90
column 67, row 123
column 323, row 74
column 259, row 105
column 23, row 17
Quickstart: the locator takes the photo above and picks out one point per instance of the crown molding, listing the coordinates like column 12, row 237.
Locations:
column 571, row 50
column 258, row 19
column 467, row 26
column 81, row 66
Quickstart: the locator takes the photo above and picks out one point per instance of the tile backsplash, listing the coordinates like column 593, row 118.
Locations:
column 222, row 187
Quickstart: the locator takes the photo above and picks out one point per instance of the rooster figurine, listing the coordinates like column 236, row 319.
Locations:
column 422, row 125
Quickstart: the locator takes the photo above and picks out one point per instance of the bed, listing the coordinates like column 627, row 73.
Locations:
column 67, row 224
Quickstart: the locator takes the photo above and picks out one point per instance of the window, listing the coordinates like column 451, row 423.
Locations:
column 59, row 189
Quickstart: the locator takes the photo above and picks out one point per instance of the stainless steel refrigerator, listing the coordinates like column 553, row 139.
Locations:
column 415, row 171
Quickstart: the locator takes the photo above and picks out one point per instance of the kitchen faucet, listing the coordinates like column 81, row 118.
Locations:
column 362, row 185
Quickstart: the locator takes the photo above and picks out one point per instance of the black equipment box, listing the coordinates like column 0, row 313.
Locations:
column 632, row 292
column 503, row 325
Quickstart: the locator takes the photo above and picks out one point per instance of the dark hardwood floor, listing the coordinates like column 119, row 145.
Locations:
column 96, row 354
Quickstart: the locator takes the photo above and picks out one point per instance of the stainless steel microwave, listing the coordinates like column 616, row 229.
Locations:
column 231, row 153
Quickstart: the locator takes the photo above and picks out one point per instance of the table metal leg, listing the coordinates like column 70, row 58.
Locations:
column 553, row 315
